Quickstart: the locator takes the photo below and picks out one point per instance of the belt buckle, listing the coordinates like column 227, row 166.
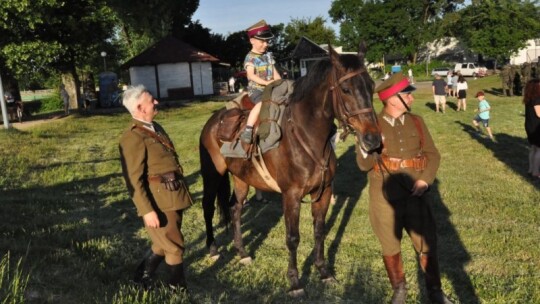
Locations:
column 402, row 164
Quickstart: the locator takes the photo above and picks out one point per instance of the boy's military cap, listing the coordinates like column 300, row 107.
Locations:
column 397, row 83
column 260, row 30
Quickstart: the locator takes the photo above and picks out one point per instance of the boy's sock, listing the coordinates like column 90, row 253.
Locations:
column 247, row 135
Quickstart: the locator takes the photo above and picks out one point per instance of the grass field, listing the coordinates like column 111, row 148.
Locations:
column 66, row 216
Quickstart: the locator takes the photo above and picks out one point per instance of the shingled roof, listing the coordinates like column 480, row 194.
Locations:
column 169, row 50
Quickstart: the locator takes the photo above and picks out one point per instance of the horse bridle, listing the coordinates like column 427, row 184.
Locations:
column 341, row 111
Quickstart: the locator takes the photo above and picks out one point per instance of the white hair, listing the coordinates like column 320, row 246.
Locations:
column 131, row 97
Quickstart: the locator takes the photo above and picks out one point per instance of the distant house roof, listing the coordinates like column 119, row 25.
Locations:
column 308, row 49
column 169, row 50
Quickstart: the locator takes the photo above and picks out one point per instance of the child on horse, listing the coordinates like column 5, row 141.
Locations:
column 260, row 70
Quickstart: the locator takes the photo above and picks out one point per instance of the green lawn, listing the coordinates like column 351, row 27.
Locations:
column 65, row 212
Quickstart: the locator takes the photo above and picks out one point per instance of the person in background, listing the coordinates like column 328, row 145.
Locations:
column 483, row 115
column 155, row 181
column 397, row 189
column 232, row 82
column 449, row 84
column 260, row 72
column 531, row 100
column 462, row 88
column 439, row 89
column 411, row 77
column 455, row 77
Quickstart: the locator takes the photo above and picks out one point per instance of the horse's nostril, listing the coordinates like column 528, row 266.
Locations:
column 372, row 141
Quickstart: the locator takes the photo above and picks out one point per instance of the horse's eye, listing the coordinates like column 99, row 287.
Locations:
column 346, row 90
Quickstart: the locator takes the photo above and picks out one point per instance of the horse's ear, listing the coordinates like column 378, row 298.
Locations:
column 362, row 49
column 334, row 57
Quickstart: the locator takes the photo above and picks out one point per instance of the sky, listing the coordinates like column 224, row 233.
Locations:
column 229, row 16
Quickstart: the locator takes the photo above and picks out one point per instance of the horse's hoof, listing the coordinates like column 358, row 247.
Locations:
column 329, row 280
column 297, row 293
column 246, row 260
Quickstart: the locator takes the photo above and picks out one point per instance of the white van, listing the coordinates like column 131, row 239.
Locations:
column 469, row 69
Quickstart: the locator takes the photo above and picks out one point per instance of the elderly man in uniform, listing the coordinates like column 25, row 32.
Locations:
column 398, row 180
column 154, row 178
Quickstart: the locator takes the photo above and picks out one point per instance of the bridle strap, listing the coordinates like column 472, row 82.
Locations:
column 340, row 108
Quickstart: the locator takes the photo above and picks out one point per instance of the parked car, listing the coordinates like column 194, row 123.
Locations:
column 469, row 69
column 440, row 71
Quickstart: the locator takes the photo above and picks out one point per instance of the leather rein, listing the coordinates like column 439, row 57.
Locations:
column 343, row 118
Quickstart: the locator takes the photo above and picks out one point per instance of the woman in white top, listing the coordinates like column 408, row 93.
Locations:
column 462, row 88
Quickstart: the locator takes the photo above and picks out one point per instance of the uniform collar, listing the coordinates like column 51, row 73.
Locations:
column 146, row 124
column 392, row 121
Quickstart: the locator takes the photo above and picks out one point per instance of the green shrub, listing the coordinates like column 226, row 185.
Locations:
column 52, row 103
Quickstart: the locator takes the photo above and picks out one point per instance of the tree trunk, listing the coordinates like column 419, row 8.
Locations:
column 72, row 84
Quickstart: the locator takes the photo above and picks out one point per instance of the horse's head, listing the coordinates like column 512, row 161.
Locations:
column 352, row 97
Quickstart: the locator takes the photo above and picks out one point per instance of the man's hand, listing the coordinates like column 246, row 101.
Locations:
column 419, row 188
column 151, row 220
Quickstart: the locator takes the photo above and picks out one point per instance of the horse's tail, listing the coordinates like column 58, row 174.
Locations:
column 214, row 185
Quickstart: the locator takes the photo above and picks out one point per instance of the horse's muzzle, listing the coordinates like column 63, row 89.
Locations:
column 370, row 141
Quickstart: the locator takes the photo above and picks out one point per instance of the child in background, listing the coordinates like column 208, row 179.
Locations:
column 483, row 115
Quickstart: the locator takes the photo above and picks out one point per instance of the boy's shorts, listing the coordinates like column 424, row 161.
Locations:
column 485, row 122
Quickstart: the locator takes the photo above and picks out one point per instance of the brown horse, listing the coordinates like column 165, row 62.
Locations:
column 304, row 163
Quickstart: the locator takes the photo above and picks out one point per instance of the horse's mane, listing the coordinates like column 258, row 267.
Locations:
column 318, row 74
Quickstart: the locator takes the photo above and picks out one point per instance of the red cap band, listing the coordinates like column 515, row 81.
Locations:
column 385, row 94
column 258, row 30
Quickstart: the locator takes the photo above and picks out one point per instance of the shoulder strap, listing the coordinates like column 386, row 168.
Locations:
column 416, row 121
column 164, row 141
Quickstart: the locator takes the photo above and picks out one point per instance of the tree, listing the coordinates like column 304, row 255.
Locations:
column 391, row 26
column 497, row 29
column 53, row 35
column 144, row 22
column 315, row 30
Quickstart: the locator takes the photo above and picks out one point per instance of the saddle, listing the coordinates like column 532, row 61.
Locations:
column 268, row 130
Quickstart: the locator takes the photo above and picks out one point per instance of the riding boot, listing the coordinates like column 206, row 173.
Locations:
column 146, row 269
column 430, row 266
column 177, row 279
column 394, row 269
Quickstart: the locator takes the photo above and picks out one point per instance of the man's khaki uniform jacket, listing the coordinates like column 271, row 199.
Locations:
column 143, row 156
column 402, row 141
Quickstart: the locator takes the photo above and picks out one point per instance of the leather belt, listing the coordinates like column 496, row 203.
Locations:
column 395, row 164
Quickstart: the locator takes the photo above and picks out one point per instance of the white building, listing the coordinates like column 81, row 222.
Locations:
column 528, row 54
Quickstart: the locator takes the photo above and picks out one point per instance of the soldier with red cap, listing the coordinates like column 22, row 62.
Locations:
column 400, row 174
column 260, row 71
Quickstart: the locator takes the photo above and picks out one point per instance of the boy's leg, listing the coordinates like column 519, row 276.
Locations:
column 247, row 135
column 488, row 129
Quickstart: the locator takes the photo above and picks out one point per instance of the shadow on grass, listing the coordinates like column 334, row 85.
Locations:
column 71, row 235
column 453, row 255
column 511, row 150
column 450, row 105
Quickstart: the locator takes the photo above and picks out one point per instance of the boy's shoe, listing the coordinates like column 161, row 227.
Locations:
column 247, row 135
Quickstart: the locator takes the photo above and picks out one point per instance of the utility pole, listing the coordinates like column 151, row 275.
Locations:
column 4, row 107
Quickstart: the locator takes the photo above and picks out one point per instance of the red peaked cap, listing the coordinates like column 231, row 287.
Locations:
column 260, row 30
column 397, row 83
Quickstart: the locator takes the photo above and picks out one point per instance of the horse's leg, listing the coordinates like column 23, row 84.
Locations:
column 318, row 211
column 209, row 197
column 241, row 191
column 214, row 184
column 291, row 211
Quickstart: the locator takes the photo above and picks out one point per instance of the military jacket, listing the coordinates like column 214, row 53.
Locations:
column 402, row 141
column 143, row 155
